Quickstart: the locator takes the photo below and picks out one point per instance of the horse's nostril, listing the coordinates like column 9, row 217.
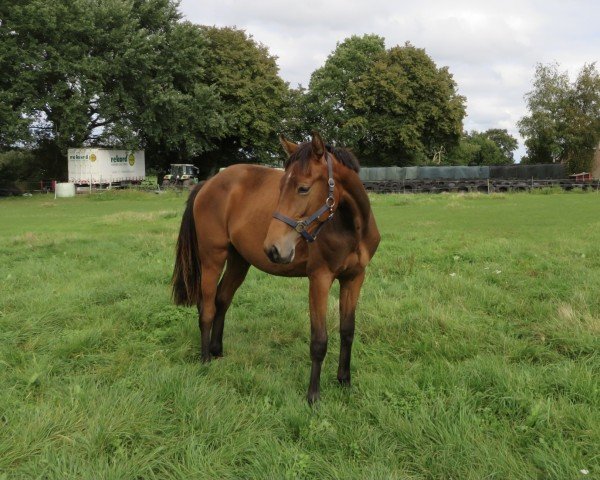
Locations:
column 273, row 254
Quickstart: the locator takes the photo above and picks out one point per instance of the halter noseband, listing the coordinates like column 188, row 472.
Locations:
column 301, row 226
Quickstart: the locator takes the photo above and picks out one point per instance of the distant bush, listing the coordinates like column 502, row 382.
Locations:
column 20, row 165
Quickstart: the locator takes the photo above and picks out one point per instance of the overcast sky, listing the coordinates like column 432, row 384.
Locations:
column 491, row 47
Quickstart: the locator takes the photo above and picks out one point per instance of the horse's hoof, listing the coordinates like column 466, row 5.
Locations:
column 205, row 358
column 313, row 397
column 344, row 381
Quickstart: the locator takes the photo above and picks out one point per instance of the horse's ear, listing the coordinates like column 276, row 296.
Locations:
column 318, row 146
column 289, row 147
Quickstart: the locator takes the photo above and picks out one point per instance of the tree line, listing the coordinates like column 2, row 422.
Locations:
column 133, row 74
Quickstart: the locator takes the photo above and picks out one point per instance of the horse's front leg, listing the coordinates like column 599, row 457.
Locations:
column 349, row 292
column 320, row 283
column 211, row 266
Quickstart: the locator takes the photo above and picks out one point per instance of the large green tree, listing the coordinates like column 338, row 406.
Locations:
column 326, row 103
column 253, row 97
column 563, row 124
column 406, row 108
column 504, row 141
column 107, row 72
column 493, row 147
column 179, row 113
column 392, row 107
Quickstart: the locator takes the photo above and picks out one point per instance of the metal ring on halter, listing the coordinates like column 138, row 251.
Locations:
column 300, row 226
column 331, row 182
column 330, row 202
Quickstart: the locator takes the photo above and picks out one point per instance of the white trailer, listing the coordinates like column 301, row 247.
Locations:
column 104, row 167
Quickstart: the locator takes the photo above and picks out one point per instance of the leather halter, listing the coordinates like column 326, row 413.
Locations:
column 301, row 226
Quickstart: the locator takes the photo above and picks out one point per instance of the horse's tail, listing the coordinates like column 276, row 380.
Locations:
column 186, row 273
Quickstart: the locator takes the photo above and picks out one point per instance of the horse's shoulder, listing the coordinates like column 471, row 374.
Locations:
column 357, row 218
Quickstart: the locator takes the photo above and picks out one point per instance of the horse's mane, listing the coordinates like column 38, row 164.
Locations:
column 304, row 151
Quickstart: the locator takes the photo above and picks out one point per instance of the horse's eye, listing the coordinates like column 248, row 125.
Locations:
column 303, row 190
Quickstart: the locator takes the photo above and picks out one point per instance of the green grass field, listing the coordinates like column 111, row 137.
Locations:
column 476, row 354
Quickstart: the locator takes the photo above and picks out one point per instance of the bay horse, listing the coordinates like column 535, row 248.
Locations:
column 311, row 220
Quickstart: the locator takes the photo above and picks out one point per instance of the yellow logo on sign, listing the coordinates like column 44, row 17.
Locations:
column 131, row 159
column 93, row 157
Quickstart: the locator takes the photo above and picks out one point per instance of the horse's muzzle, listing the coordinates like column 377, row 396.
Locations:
column 275, row 255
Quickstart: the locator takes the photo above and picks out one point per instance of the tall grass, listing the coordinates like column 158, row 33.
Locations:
column 476, row 354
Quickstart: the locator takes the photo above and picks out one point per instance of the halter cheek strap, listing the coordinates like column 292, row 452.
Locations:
column 301, row 226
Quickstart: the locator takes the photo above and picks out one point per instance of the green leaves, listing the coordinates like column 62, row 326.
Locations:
column 393, row 107
column 132, row 74
column 106, row 73
column 328, row 107
column 252, row 96
column 564, row 120
column 492, row 147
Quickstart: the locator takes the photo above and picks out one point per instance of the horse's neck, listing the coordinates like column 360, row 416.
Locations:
column 355, row 200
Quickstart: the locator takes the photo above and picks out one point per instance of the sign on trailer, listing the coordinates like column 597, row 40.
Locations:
column 100, row 166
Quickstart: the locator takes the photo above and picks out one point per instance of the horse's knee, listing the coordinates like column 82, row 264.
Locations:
column 318, row 349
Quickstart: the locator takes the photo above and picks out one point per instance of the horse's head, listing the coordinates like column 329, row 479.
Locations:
column 307, row 198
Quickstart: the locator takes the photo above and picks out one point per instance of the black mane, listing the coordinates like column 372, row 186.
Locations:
column 304, row 151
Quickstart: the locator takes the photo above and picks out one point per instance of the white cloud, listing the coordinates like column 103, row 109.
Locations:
column 490, row 46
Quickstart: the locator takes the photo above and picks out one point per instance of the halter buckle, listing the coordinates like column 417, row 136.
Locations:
column 300, row 226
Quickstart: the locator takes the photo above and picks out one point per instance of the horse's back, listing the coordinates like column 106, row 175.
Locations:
column 247, row 175
column 238, row 187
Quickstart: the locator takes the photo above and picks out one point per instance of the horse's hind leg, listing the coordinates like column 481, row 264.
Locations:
column 349, row 292
column 235, row 273
column 212, row 266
